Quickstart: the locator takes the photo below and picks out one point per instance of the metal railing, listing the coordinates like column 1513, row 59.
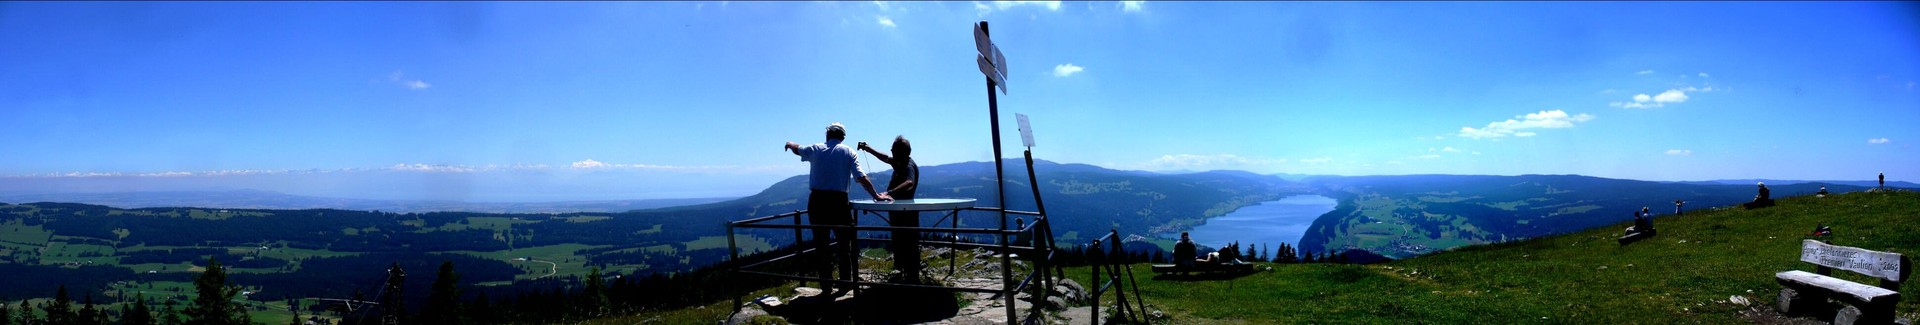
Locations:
column 1039, row 249
column 1111, row 261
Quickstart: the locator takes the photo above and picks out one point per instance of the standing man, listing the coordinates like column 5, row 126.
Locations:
column 831, row 165
column 905, row 181
column 1883, row 181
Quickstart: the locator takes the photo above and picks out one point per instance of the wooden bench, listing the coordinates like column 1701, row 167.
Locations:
column 1867, row 304
column 1637, row 236
column 1234, row 266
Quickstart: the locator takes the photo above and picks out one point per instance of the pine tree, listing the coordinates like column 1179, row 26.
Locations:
column 594, row 297
column 60, row 311
column 443, row 303
column 1263, row 252
column 214, row 305
column 170, row 315
column 138, row 313
column 26, row 313
column 1250, row 252
column 90, row 315
column 1308, row 258
column 482, row 308
column 6, row 313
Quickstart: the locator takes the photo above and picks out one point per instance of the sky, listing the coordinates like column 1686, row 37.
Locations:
column 594, row 101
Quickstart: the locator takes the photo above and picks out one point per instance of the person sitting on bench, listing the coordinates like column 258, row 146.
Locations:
column 1765, row 199
column 1225, row 255
column 1183, row 251
column 1642, row 222
column 1822, row 192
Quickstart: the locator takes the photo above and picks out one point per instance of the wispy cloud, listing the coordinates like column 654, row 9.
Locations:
column 984, row 8
column 1705, row 75
column 1427, row 156
column 1131, row 6
column 1879, row 141
column 590, row 164
column 1679, row 152
column 1207, row 162
column 1554, row 119
column 1066, row 70
column 400, row 78
column 1644, row 72
column 884, row 21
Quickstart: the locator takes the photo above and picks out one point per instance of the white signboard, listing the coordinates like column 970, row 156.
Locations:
column 992, row 62
column 986, row 68
column 1026, row 130
column 1877, row 264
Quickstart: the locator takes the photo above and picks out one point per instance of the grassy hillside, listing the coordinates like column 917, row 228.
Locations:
column 1687, row 274
column 1409, row 215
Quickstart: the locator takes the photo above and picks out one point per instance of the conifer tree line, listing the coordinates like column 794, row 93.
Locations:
column 448, row 302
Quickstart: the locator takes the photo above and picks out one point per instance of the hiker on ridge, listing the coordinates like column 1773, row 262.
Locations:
column 831, row 165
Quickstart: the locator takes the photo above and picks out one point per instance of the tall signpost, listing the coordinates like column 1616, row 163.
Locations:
column 994, row 65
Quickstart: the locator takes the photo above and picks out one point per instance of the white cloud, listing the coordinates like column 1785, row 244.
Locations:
column 1879, row 141
column 1449, row 149
column 1679, row 152
column 882, row 4
column 432, row 168
column 1704, row 75
column 589, row 163
column 1131, row 6
column 1554, row 119
column 1427, row 156
column 1644, row 72
column 1321, row 160
column 884, row 21
column 1066, row 70
column 1671, row 96
column 418, row 85
column 1207, row 162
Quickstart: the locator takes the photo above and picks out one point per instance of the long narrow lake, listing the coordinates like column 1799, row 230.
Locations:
column 1270, row 223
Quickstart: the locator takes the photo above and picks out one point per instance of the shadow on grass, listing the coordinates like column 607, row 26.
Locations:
column 873, row 306
column 1207, row 276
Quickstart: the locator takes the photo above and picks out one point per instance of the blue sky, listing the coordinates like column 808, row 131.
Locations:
column 574, row 101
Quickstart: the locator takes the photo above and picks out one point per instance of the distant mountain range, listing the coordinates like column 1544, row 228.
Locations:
column 255, row 199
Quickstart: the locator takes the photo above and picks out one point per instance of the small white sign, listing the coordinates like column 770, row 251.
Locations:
column 986, row 68
column 1026, row 129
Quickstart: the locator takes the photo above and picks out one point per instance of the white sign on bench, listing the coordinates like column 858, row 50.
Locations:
column 1877, row 264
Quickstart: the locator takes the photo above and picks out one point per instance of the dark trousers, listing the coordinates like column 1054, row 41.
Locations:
column 829, row 208
column 906, row 244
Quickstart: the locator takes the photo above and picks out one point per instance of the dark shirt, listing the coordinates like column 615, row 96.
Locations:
column 1765, row 194
column 904, row 169
column 1183, row 252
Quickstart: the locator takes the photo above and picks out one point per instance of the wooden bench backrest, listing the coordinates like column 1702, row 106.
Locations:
column 1892, row 268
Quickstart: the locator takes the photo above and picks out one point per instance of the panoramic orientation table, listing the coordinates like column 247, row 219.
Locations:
column 905, row 260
